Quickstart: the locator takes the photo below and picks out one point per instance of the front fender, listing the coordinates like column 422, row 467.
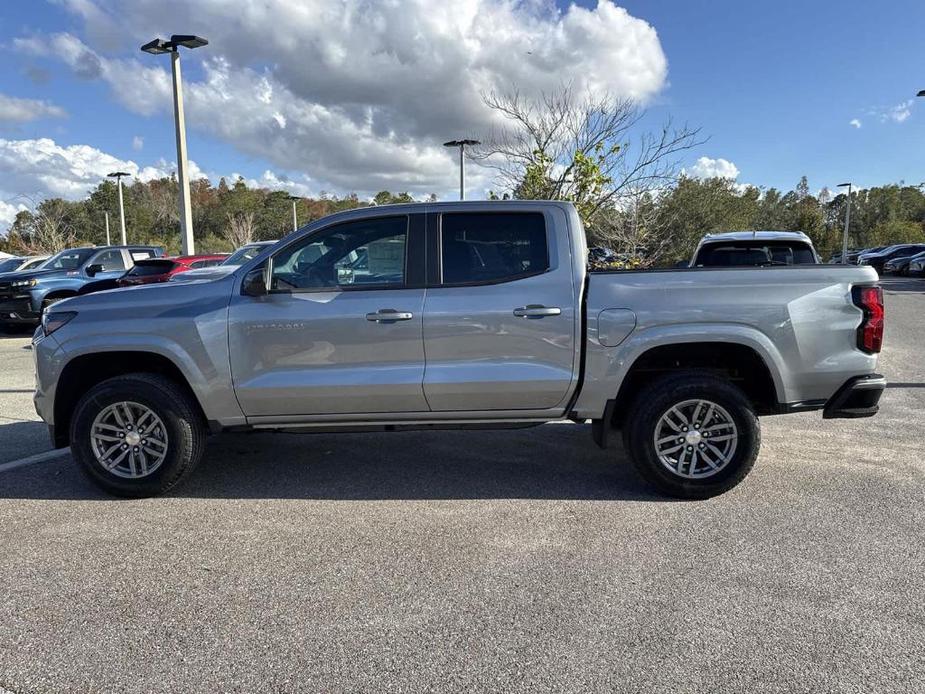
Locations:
column 208, row 380
column 49, row 287
column 187, row 325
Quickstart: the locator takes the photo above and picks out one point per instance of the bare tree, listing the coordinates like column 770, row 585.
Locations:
column 44, row 229
column 636, row 227
column 583, row 149
column 240, row 229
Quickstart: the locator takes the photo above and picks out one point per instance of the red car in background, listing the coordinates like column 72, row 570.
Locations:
column 155, row 270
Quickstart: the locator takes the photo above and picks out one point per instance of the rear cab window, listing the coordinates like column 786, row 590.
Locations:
column 489, row 248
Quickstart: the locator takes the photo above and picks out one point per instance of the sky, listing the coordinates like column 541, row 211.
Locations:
column 357, row 96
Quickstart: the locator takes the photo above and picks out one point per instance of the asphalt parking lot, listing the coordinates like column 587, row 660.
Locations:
column 475, row 561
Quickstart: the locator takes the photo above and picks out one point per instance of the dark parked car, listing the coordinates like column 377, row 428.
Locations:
column 853, row 255
column 878, row 260
column 25, row 294
column 900, row 265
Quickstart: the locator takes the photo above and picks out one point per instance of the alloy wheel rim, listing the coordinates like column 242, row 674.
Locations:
column 128, row 440
column 695, row 439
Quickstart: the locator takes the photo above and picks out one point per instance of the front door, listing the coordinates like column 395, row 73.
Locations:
column 339, row 331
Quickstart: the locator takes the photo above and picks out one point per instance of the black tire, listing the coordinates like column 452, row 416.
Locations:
column 53, row 300
column 186, row 432
column 667, row 391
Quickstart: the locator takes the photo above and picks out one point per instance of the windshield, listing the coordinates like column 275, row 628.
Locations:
column 10, row 264
column 68, row 260
column 242, row 255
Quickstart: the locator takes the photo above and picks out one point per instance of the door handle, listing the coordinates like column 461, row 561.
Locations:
column 537, row 311
column 389, row 315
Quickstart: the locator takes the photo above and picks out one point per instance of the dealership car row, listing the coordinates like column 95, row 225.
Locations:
column 29, row 284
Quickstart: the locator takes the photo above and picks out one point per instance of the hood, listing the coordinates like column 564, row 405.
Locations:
column 139, row 298
column 36, row 274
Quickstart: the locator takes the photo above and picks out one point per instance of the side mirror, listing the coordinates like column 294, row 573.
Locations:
column 255, row 283
column 682, row 263
column 93, row 269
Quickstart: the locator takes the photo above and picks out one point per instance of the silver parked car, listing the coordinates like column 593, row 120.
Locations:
column 465, row 314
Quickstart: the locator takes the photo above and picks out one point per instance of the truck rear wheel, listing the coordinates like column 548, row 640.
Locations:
column 137, row 435
column 692, row 435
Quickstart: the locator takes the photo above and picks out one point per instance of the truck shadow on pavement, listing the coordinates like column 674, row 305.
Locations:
column 556, row 462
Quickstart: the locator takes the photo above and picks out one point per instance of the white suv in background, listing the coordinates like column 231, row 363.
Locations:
column 752, row 248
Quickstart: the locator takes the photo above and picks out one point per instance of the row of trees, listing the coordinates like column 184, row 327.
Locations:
column 627, row 185
column 660, row 227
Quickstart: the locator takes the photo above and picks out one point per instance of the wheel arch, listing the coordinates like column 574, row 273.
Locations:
column 740, row 363
column 87, row 370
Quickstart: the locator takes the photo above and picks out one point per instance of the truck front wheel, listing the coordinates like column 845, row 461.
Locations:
column 137, row 435
column 692, row 435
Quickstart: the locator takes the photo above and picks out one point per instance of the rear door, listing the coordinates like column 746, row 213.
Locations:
column 500, row 317
column 332, row 338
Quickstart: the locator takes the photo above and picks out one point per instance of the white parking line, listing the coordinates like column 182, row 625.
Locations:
column 34, row 459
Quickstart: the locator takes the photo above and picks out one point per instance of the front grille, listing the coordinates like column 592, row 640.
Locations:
column 6, row 289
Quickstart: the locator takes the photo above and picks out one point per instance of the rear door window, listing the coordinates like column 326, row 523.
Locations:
column 488, row 248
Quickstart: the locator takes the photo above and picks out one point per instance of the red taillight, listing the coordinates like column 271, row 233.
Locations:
column 870, row 332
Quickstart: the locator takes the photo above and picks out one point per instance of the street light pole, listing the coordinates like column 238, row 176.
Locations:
column 295, row 215
column 108, row 243
column 158, row 47
column 186, row 214
column 844, row 245
column 118, row 175
column 462, row 162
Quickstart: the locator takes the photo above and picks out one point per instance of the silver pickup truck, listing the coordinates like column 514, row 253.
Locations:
column 475, row 314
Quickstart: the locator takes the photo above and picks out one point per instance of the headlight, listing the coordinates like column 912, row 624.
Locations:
column 22, row 284
column 57, row 319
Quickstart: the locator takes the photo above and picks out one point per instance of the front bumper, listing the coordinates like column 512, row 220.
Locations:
column 18, row 310
column 858, row 397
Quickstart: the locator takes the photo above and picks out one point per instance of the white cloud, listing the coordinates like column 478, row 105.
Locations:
column 17, row 110
column 8, row 212
column 854, row 122
column 43, row 168
column 138, row 143
column 360, row 96
column 900, row 112
column 705, row 167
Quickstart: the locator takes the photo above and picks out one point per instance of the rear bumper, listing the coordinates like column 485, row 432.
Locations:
column 858, row 397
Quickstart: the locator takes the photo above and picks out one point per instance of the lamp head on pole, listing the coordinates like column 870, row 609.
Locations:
column 159, row 46
column 921, row 92
column 117, row 174
column 461, row 143
column 156, row 47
